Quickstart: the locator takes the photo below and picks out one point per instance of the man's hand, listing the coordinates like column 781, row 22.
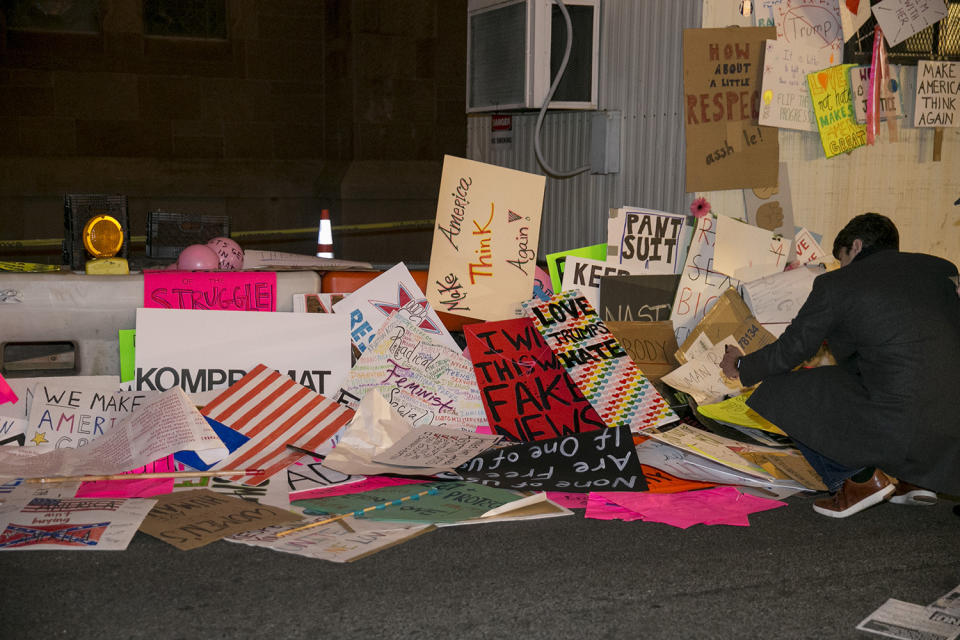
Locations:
column 729, row 363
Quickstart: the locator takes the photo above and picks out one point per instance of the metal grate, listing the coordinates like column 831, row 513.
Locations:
column 940, row 41
column 78, row 16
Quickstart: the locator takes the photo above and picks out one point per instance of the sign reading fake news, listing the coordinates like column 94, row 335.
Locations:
column 485, row 240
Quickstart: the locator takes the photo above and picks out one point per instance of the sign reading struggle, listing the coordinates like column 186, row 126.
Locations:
column 485, row 239
column 726, row 149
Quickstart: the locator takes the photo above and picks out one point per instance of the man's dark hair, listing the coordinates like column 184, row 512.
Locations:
column 875, row 231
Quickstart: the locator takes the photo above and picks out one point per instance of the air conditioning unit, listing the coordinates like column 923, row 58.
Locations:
column 514, row 48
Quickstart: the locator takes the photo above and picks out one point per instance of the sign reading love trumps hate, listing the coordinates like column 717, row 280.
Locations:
column 599, row 460
column 526, row 392
column 596, row 361
column 485, row 239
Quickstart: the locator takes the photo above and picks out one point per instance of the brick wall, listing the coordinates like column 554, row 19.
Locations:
column 265, row 126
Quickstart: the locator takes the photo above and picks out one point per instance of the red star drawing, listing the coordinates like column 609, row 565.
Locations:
column 417, row 309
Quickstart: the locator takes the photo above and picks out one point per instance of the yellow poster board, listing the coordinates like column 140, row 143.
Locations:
column 833, row 108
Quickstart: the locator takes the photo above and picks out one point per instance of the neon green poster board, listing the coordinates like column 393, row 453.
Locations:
column 556, row 260
column 127, row 342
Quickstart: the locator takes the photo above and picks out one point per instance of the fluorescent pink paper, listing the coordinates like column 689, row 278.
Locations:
column 134, row 487
column 369, row 484
column 220, row 290
column 720, row 505
column 568, row 500
column 6, row 393
column 600, row 509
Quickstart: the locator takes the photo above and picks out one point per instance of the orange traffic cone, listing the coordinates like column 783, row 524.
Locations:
column 325, row 237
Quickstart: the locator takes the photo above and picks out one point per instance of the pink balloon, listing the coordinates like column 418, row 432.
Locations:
column 229, row 253
column 198, row 257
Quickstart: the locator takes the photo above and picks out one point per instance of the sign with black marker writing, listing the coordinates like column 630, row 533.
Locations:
column 525, row 390
column 485, row 239
column 604, row 460
column 645, row 240
column 637, row 298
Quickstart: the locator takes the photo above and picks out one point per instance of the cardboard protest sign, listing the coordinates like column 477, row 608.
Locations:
column 193, row 519
column 604, row 459
column 786, row 99
column 888, row 101
column 526, row 392
column 747, row 252
column 700, row 283
column 833, row 106
column 811, row 23
column 597, row 363
column 393, row 291
column 345, row 540
column 778, row 297
column 583, row 275
column 637, row 297
column 556, row 262
column 900, row 19
column 729, row 316
column 203, row 352
column 938, row 94
column 39, row 523
column 161, row 426
column 425, row 382
column 771, row 208
column 273, row 411
column 65, row 415
column 807, row 249
column 711, row 446
column 221, row 290
column 24, row 387
column 726, row 148
column 485, row 240
column 646, row 240
column 651, row 346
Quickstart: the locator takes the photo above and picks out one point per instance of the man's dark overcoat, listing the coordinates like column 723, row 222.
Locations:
column 892, row 321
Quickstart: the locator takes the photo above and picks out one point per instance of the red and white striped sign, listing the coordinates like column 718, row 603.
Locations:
column 274, row 411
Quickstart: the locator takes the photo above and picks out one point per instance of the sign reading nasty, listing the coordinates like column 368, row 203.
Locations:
column 644, row 239
column 600, row 460
column 938, row 94
column 637, row 298
column 221, row 290
column 485, row 239
column 597, row 363
column 526, row 392
column 726, row 148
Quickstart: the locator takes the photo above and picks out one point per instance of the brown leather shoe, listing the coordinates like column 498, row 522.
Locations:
column 911, row 494
column 854, row 497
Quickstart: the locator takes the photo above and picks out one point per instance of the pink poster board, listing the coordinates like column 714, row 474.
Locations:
column 219, row 290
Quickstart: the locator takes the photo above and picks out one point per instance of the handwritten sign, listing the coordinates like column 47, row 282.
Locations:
column 222, row 290
column 786, row 98
column 647, row 240
column 701, row 284
column 812, row 23
column 556, row 262
column 526, row 392
column 193, row 519
column 393, row 291
column 604, row 459
column 853, row 15
column 597, row 363
column 583, row 275
column 702, row 378
column 888, row 101
column 938, row 94
column 425, row 382
column 807, row 249
column 436, row 447
column 778, row 298
column 651, row 346
column 67, row 416
column 833, row 106
column 900, row 19
column 726, row 149
column 634, row 298
column 747, row 252
column 485, row 239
